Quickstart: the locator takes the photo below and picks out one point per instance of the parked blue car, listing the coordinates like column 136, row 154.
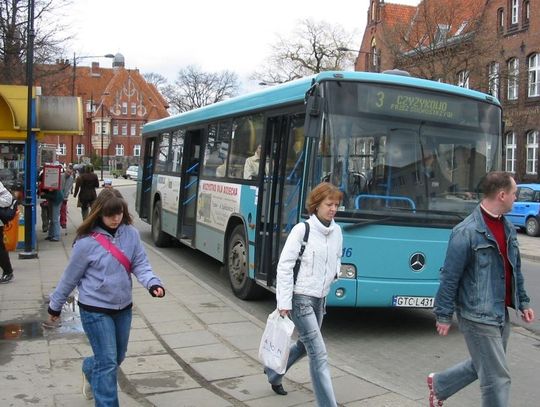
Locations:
column 526, row 210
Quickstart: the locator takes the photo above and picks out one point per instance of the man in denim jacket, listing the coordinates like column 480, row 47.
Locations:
column 481, row 277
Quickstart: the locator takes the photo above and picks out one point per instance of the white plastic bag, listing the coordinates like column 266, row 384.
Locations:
column 276, row 342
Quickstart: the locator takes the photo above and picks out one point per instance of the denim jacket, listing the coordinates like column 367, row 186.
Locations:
column 473, row 277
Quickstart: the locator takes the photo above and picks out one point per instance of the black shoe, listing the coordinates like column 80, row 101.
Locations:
column 48, row 238
column 278, row 389
column 6, row 278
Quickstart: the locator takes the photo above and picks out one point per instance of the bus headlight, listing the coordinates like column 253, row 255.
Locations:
column 340, row 292
column 348, row 271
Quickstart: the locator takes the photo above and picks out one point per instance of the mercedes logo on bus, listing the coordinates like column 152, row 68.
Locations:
column 417, row 262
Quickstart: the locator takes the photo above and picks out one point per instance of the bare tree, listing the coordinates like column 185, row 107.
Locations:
column 156, row 79
column 440, row 41
column 48, row 41
column 194, row 88
column 314, row 47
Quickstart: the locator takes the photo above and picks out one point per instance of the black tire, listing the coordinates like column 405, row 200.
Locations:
column 237, row 267
column 160, row 238
column 532, row 227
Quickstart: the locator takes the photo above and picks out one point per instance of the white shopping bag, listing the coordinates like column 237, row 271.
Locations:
column 276, row 342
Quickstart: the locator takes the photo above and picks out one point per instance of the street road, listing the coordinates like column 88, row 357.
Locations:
column 395, row 348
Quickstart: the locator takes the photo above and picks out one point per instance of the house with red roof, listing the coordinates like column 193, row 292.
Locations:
column 116, row 101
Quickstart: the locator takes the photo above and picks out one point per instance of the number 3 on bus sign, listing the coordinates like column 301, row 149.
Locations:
column 380, row 99
column 347, row 252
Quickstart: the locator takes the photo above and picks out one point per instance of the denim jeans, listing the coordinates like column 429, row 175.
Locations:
column 307, row 315
column 108, row 335
column 54, row 221
column 487, row 347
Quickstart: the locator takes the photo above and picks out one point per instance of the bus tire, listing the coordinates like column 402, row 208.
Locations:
column 237, row 267
column 160, row 238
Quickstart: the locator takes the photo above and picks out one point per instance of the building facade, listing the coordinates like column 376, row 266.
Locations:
column 488, row 45
column 117, row 102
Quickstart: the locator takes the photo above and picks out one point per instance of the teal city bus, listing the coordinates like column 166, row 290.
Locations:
column 231, row 179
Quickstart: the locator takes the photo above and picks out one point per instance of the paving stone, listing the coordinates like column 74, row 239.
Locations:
column 224, row 369
column 161, row 382
column 146, row 364
column 188, row 398
column 206, row 353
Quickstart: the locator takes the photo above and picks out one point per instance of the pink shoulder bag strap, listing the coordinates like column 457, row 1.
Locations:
column 112, row 249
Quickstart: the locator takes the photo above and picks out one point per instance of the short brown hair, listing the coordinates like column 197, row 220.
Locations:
column 494, row 181
column 320, row 193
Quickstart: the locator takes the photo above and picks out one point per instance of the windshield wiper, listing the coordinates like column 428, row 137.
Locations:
column 367, row 222
column 458, row 215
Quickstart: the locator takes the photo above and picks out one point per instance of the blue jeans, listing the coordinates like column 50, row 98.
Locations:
column 487, row 347
column 54, row 221
column 108, row 335
column 307, row 315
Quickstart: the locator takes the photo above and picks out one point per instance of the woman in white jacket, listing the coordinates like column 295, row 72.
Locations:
column 305, row 301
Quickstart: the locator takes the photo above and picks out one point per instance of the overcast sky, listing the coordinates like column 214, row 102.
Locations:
column 163, row 36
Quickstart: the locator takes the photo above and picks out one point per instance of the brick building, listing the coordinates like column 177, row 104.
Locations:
column 488, row 45
column 117, row 102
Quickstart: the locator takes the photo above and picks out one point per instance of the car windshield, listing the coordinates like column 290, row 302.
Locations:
column 410, row 154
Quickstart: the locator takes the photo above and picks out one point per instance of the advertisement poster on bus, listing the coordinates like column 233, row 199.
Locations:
column 217, row 201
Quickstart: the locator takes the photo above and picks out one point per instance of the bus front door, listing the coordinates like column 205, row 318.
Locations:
column 143, row 199
column 189, row 186
column 279, row 202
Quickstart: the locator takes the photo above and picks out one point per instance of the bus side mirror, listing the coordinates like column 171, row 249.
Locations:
column 313, row 120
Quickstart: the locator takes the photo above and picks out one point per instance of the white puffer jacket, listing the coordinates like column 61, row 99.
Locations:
column 320, row 265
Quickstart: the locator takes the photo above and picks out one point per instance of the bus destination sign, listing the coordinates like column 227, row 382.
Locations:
column 418, row 105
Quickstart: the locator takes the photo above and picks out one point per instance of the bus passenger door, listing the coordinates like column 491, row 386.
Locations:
column 189, row 186
column 279, row 196
column 143, row 199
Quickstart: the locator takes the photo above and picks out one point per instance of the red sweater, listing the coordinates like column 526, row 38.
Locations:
column 496, row 225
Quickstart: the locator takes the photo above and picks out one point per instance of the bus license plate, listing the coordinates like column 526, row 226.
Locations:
column 412, row 302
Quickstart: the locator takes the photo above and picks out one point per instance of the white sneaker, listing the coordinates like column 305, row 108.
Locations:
column 86, row 388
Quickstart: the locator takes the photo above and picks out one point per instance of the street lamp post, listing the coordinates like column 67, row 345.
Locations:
column 75, row 59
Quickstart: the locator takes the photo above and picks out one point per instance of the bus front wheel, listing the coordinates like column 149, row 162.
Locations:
column 160, row 238
column 237, row 267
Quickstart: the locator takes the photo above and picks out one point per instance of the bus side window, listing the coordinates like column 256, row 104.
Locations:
column 246, row 137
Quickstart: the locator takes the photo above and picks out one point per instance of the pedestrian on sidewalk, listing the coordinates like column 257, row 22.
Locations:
column 67, row 186
column 6, row 198
column 106, row 253
column 480, row 279
column 85, row 188
column 305, row 300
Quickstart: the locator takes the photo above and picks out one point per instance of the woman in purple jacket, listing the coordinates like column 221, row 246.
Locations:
column 106, row 252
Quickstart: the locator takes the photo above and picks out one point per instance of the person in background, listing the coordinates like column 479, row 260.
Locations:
column 104, row 281
column 7, row 270
column 85, row 188
column 107, row 183
column 251, row 166
column 67, row 182
column 305, row 301
column 481, row 278
column 45, row 210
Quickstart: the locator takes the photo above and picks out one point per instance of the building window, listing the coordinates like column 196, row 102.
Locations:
column 61, row 149
column 500, row 19
column 463, row 79
column 532, row 152
column 511, row 152
column 526, row 12
column 513, row 79
column 514, row 10
column 124, row 130
column 534, row 75
column 80, row 149
column 133, row 109
column 133, row 131
column 493, row 75
column 115, row 130
column 137, row 150
column 119, row 150
column 124, row 107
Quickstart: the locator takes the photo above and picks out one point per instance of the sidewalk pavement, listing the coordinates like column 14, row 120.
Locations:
column 193, row 347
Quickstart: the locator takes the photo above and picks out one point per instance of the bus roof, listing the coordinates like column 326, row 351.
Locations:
column 294, row 91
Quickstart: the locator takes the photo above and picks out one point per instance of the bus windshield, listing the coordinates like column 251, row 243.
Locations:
column 402, row 154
